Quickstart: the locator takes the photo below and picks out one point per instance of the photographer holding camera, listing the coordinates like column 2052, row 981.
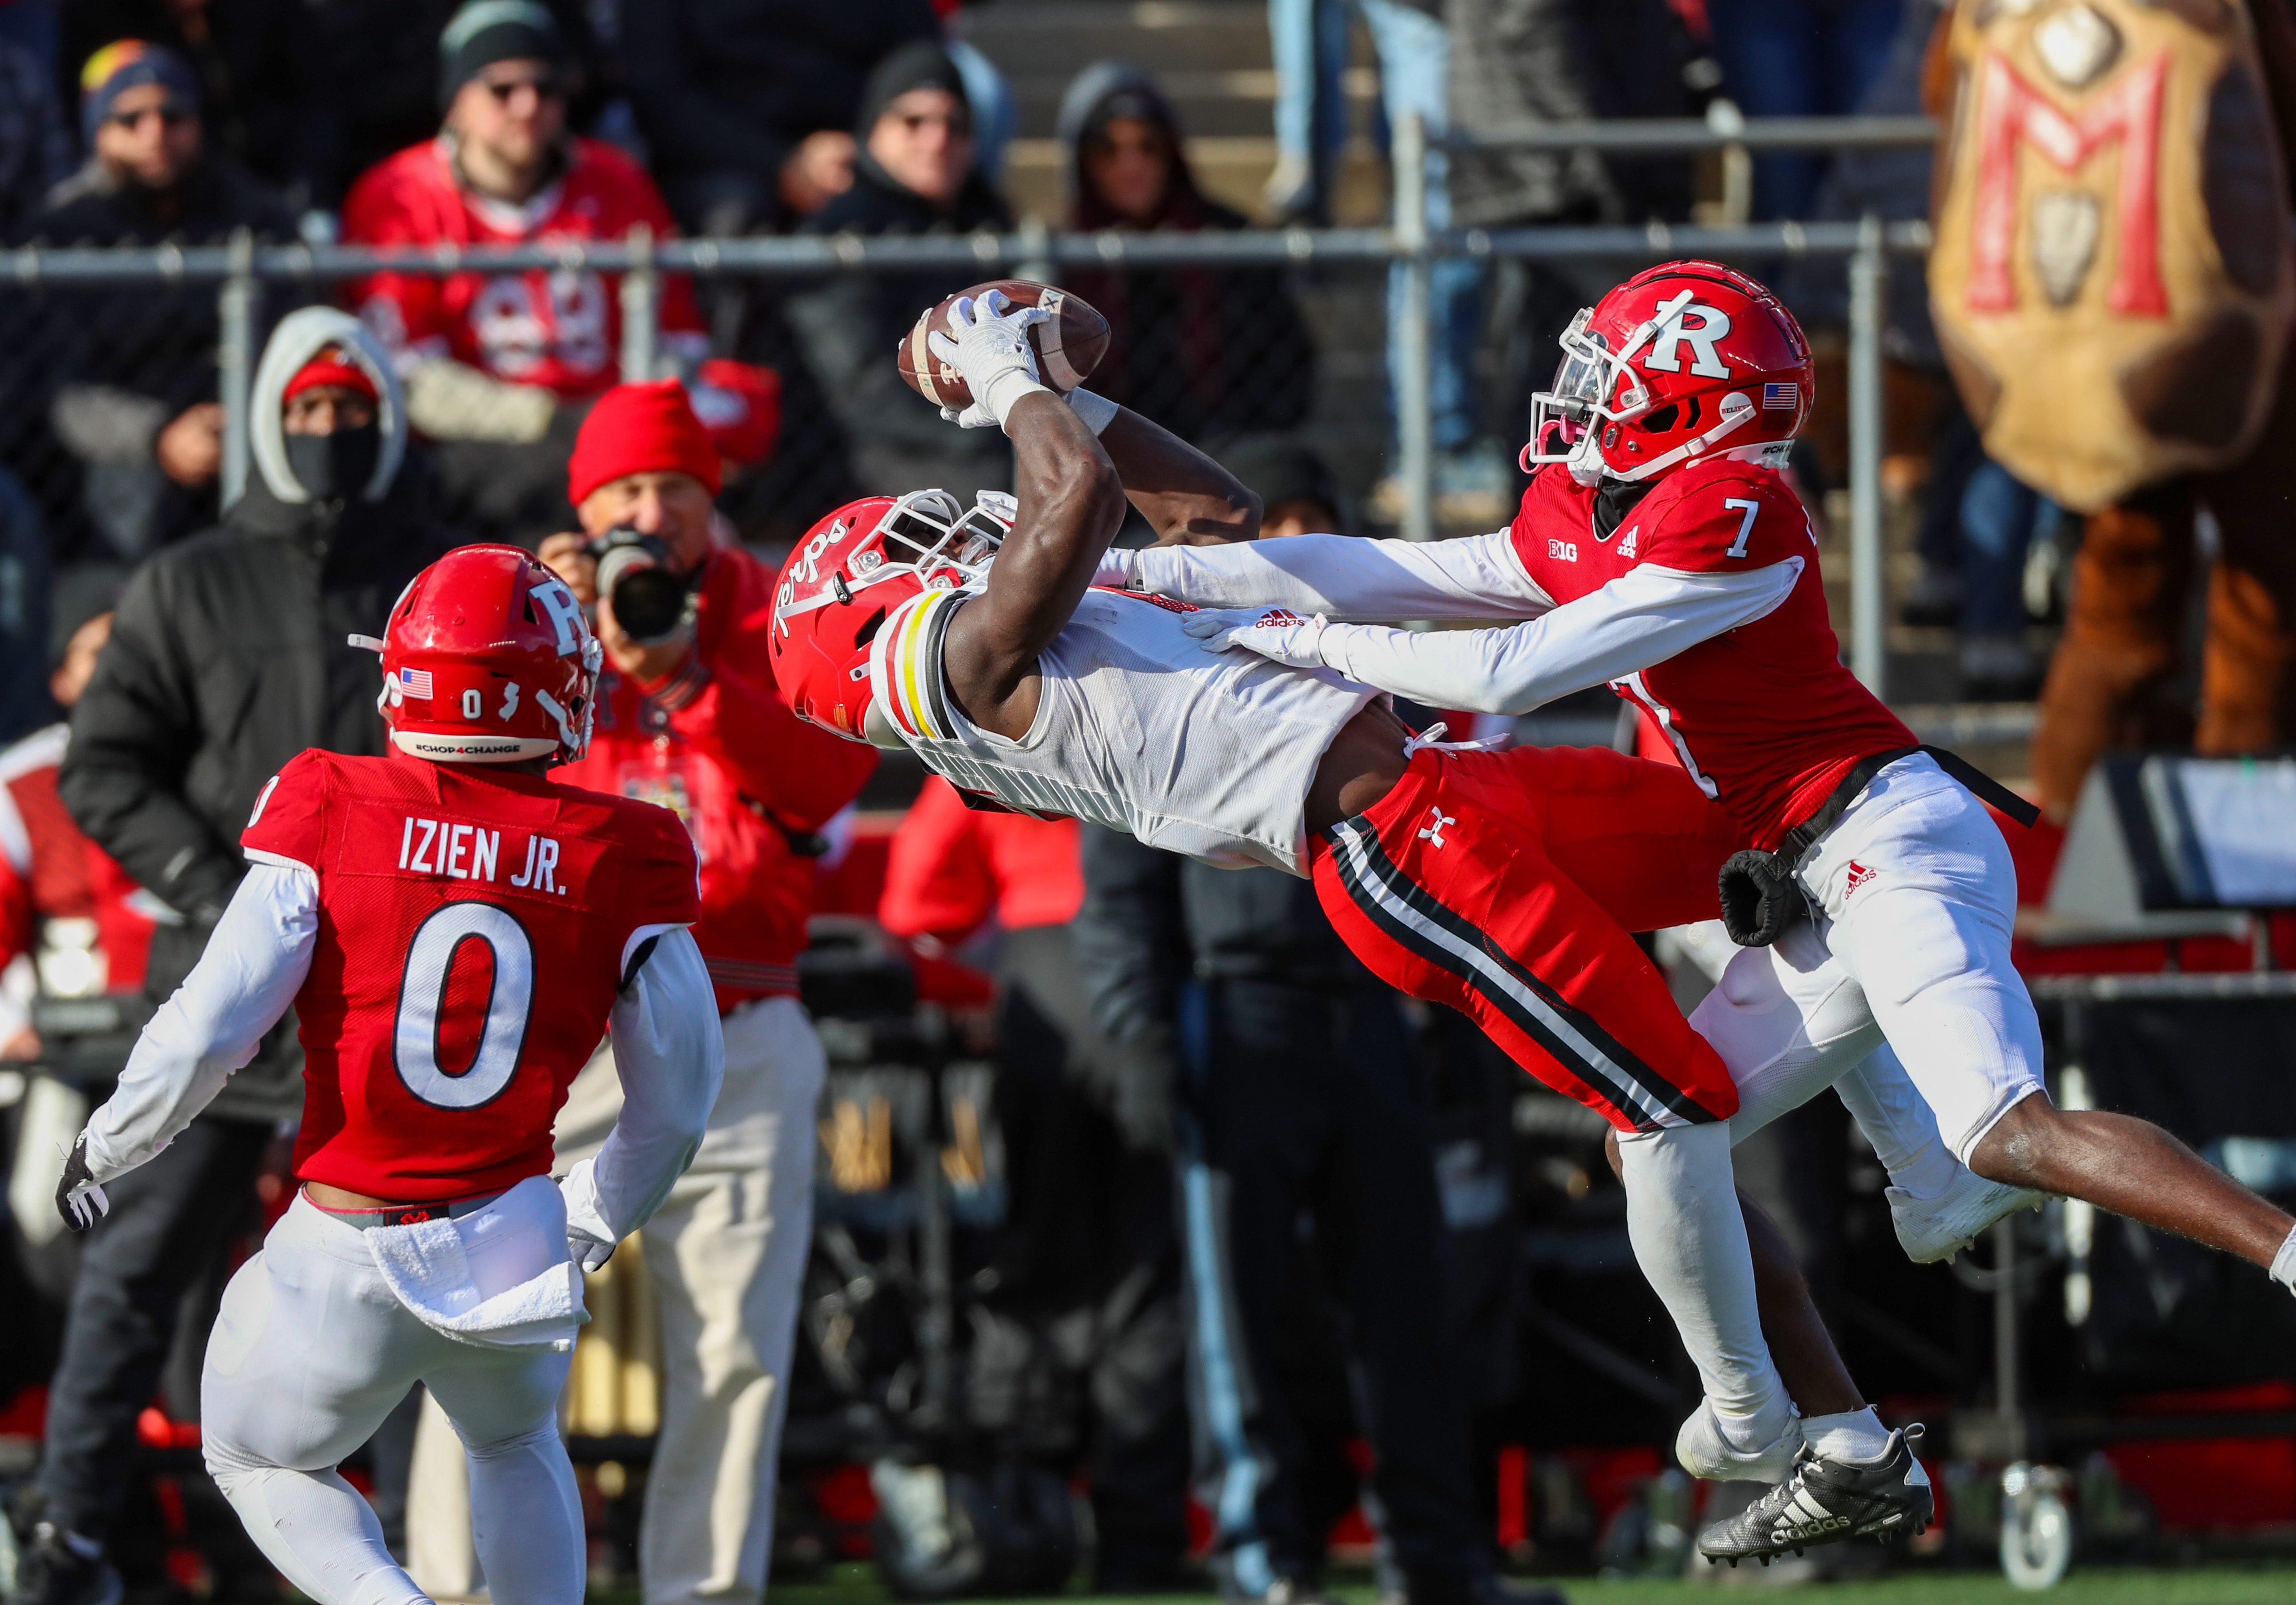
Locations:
column 688, row 717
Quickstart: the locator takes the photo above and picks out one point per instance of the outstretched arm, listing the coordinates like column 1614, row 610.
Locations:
column 1640, row 619
column 1072, row 504
column 1342, row 576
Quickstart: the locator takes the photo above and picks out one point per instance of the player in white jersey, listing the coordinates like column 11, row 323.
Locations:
column 1444, row 870
column 1874, row 895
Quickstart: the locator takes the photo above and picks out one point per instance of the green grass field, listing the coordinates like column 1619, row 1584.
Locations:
column 2260, row 1585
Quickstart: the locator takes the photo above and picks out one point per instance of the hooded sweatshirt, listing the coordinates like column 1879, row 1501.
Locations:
column 1208, row 352
column 229, row 656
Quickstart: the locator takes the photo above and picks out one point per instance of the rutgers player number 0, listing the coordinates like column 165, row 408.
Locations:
column 423, row 1005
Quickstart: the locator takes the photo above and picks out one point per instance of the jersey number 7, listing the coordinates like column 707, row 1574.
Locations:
column 417, row 1035
column 1737, row 548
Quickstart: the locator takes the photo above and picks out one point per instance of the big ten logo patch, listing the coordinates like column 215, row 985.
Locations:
column 1562, row 551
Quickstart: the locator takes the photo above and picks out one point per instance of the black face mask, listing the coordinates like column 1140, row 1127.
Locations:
column 335, row 468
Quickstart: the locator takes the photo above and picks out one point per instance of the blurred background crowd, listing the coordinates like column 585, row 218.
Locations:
column 1096, row 1209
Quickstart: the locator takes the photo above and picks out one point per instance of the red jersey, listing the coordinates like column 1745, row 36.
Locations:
column 561, row 329
column 471, row 935
column 1766, row 718
column 49, row 869
column 717, row 745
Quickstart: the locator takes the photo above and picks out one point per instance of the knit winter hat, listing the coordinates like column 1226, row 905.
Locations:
column 486, row 31
column 130, row 64
column 636, row 428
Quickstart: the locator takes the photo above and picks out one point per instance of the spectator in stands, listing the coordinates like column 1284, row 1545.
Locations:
column 690, row 719
column 379, row 60
column 230, row 653
column 49, row 870
column 1475, row 482
column 258, row 65
column 749, row 106
column 1799, row 58
column 130, row 382
column 499, row 368
column 914, row 175
column 1087, row 1244
column 1205, row 352
column 1299, row 493
column 35, row 150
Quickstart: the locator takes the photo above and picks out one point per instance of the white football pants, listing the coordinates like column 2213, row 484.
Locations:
column 310, row 1351
column 1916, row 898
column 727, row 1254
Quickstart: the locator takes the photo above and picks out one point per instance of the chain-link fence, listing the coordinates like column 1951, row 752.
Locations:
column 125, row 373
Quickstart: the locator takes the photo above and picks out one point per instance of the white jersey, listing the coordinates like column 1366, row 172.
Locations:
column 1140, row 727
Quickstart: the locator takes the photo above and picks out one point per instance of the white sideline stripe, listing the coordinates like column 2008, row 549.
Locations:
column 1359, row 855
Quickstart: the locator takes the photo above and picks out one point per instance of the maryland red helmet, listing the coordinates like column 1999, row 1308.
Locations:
column 488, row 659
column 1677, row 363
column 852, row 571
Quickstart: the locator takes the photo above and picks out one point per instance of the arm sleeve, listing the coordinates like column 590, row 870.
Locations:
column 1342, row 577
column 1641, row 617
column 671, row 1057
column 133, row 733
column 244, row 983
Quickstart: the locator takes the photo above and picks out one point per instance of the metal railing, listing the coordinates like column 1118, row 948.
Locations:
column 240, row 269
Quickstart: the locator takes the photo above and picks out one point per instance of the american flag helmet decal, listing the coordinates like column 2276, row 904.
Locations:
column 415, row 682
column 1786, row 396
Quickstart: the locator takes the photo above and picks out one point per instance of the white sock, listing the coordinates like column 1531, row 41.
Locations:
column 1897, row 1122
column 1690, row 1239
column 1855, row 1435
column 2284, row 1263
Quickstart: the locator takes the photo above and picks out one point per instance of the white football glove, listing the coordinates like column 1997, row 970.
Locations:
column 1276, row 633
column 588, row 1253
column 987, row 342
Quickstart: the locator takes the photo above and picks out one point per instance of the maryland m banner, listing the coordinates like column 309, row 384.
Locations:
column 2111, row 278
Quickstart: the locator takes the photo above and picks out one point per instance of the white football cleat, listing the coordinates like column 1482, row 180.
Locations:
column 1705, row 1453
column 1938, row 1228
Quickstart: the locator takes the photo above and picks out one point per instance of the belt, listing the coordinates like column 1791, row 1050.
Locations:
column 1795, row 845
column 1760, row 896
column 406, row 1215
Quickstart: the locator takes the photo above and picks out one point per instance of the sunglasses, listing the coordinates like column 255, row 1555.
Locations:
column 174, row 116
column 505, row 90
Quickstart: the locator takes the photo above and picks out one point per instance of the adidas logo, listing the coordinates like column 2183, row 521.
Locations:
column 1813, row 1530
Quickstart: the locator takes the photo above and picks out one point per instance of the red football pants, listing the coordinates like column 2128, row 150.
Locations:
column 1504, row 883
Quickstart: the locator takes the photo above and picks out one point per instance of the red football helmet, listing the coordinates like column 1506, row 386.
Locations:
column 488, row 659
column 849, row 573
column 1680, row 361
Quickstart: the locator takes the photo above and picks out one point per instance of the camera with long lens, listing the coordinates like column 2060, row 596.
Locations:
column 650, row 602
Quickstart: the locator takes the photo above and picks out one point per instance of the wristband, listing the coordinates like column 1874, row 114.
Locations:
column 1005, row 389
column 1098, row 412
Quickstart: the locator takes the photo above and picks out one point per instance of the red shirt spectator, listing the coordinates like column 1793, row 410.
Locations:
column 951, row 867
column 558, row 329
column 49, row 870
column 692, row 721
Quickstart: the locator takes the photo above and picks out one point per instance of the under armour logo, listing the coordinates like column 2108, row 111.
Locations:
column 1434, row 833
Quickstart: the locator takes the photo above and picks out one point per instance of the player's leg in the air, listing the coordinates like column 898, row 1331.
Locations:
column 1925, row 931
column 1448, row 890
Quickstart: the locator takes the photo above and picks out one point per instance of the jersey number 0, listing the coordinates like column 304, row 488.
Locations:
column 423, row 1005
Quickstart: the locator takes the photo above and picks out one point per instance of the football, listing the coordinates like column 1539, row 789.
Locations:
column 1068, row 348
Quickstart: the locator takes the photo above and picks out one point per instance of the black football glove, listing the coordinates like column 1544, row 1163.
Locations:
column 78, row 1199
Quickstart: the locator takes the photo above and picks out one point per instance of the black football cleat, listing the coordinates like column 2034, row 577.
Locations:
column 1827, row 1501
